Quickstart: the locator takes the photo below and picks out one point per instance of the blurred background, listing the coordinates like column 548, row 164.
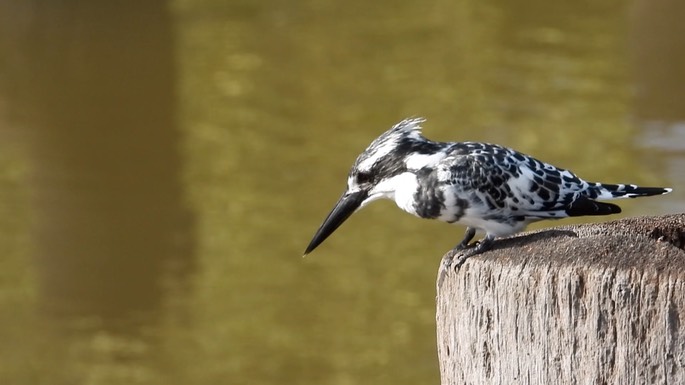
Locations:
column 163, row 164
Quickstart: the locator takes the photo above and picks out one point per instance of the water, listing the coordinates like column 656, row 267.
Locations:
column 162, row 168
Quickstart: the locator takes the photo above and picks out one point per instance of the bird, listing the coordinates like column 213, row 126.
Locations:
column 486, row 187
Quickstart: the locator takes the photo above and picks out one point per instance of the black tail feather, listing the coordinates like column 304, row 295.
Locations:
column 586, row 206
column 609, row 191
column 647, row 191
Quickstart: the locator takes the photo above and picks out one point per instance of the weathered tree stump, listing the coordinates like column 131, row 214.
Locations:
column 589, row 304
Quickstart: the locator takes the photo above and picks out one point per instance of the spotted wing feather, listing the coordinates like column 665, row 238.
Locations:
column 517, row 187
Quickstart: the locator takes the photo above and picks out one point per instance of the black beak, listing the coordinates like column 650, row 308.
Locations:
column 347, row 204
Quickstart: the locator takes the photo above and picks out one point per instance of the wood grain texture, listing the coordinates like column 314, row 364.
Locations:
column 590, row 304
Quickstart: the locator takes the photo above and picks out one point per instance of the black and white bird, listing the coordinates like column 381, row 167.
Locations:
column 482, row 186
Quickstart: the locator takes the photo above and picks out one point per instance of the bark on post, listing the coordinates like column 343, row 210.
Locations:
column 589, row 304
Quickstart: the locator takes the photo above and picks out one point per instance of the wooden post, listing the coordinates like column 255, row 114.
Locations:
column 590, row 304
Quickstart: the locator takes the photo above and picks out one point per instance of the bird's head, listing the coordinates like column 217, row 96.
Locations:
column 374, row 173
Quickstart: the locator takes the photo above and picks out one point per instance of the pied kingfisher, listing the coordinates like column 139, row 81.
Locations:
column 483, row 186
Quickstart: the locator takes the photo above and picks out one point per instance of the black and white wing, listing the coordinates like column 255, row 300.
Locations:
column 506, row 185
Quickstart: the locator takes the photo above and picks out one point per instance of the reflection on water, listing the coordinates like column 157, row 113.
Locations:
column 95, row 98
column 162, row 167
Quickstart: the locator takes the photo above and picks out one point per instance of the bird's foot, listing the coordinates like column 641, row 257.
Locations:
column 459, row 255
column 453, row 259
column 456, row 257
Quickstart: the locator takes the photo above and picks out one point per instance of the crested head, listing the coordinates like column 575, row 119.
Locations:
column 390, row 144
column 391, row 154
column 383, row 157
column 390, row 141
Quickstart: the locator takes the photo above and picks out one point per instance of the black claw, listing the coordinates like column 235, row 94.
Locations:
column 480, row 247
column 460, row 261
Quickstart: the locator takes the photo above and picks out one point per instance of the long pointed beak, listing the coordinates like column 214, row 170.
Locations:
column 347, row 204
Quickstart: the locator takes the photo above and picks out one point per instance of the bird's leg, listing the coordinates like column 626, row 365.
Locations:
column 468, row 236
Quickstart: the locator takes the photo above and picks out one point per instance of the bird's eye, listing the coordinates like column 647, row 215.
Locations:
column 363, row 177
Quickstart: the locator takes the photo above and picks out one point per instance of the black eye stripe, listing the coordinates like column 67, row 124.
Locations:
column 363, row 177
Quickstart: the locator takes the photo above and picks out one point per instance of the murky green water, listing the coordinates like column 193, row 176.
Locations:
column 162, row 168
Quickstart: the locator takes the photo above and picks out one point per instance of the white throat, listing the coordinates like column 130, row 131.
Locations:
column 400, row 188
